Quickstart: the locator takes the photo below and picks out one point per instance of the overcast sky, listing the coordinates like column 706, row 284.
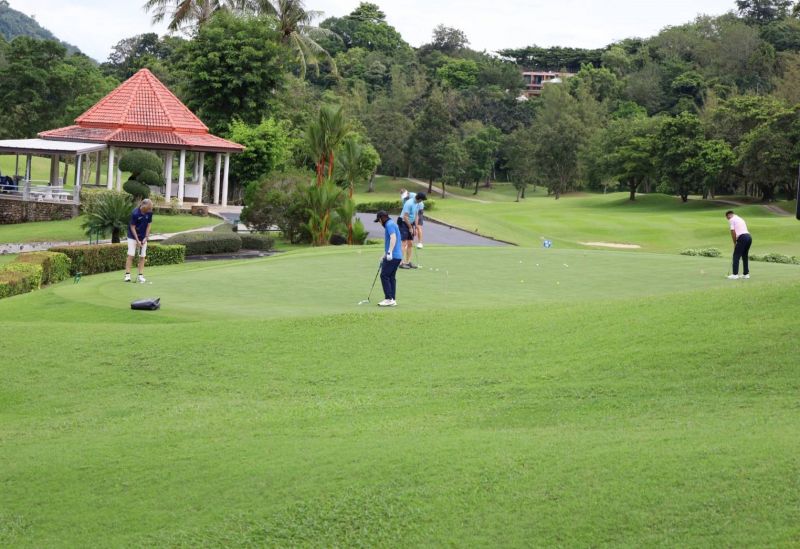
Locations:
column 96, row 25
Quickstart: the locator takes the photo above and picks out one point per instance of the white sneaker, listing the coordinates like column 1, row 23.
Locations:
column 733, row 277
column 141, row 279
column 419, row 245
column 392, row 303
column 385, row 303
column 746, row 277
column 127, row 277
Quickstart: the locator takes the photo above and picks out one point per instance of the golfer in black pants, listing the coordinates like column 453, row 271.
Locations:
column 392, row 256
column 741, row 245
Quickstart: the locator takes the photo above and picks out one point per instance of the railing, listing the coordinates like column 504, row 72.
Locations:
column 35, row 191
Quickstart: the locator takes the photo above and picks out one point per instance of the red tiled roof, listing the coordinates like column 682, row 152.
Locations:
column 142, row 112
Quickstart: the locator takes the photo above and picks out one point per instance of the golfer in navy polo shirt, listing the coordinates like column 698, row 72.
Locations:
column 138, row 233
column 392, row 256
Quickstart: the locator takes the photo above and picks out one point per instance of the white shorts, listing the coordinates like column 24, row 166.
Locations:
column 132, row 248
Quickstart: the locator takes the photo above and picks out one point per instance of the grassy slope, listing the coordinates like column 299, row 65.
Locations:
column 70, row 230
column 622, row 406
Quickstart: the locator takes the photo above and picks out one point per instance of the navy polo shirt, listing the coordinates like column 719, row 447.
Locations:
column 140, row 220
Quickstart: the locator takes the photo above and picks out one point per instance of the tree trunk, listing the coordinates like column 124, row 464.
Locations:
column 519, row 194
column 115, row 235
column 632, row 186
column 477, row 182
column 443, row 188
column 523, row 190
column 430, row 185
column 371, row 188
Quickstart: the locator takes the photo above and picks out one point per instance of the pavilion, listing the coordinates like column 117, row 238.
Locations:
column 140, row 114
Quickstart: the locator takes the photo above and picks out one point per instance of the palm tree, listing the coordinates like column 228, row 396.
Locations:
column 295, row 25
column 350, row 159
column 192, row 14
column 323, row 136
column 111, row 214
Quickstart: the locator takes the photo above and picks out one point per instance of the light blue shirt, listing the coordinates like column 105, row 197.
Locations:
column 410, row 195
column 411, row 208
column 389, row 229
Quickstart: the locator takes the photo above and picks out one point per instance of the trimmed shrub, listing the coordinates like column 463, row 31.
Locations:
column 19, row 278
column 165, row 254
column 257, row 241
column 205, row 242
column 55, row 266
column 391, row 206
column 136, row 189
column 776, row 258
column 103, row 258
column 224, row 228
column 704, row 252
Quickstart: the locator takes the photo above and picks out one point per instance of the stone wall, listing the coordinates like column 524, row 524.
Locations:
column 19, row 211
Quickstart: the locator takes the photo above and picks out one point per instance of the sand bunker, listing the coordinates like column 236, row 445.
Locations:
column 612, row 245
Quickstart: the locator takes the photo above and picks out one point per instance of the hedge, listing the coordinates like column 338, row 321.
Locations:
column 704, row 252
column 391, row 206
column 19, row 278
column 257, row 241
column 207, row 242
column 776, row 258
column 102, row 258
column 55, row 266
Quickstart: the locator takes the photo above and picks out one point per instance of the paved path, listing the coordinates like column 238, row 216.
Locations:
column 772, row 208
column 434, row 233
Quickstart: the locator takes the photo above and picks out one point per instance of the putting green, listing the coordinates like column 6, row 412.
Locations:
column 333, row 281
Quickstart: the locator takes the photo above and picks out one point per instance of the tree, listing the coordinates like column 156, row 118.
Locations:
column 448, row 39
column 679, row 147
column 42, row 88
column 323, row 136
column 428, row 139
column 231, row 69
column 760, row 12
column 454, row 161
column 458, row 73
column 768, row 155
column 356, row 163
column 389, row 130
column 142, row 51
column 625, row 151
column 482, row 150
column 365, row 27
column 184, row 14
column 111, row 214
column 519, row 149
column 268, row 147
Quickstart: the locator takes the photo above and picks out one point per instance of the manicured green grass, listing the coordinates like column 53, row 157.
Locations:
column 517, row 397
column 657, row 223
column 7, row 258
column 70, row 230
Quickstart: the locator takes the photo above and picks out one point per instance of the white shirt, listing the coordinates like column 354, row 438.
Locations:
column 738, row 226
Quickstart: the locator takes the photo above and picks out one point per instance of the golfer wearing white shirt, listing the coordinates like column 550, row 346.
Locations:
column 741, row 244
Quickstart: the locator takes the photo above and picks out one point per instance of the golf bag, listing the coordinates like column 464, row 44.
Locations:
column 149, row 304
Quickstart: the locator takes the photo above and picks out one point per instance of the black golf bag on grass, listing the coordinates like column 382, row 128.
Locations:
column 149, row 304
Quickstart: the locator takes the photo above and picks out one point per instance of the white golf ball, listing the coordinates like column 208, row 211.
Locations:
column 558, row 283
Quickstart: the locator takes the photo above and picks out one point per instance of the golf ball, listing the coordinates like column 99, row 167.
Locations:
column 558, row 283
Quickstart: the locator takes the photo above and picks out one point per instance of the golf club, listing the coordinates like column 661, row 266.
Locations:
column 373, row 285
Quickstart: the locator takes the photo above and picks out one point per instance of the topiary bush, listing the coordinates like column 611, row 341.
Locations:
column 205, row 242
column 257, row 241
column 389, row 206
column 145, row 169
column 91, row 197
column 19, row 278
column 55, row 266
column 103, row 258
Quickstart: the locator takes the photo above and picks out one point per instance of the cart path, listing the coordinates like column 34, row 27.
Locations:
column 439, row 190
column 772, row 208
column 434, row 233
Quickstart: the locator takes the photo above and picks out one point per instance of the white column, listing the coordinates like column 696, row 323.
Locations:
column 54, row 163
column 110, row 178
column 119, row 178
column 98, row 160
column 168, row 175
column 28, row 167
column 66, row 172
column 225, row 179
column 216, row 178
column 201, row 173
column 77, row 192
column 196, row 173
column 16, row 166
column 181, row 176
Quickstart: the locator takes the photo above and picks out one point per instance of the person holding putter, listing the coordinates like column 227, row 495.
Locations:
column 392, row 256
column 741, row 245
column 138, row 233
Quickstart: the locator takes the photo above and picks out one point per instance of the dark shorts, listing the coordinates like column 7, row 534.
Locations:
column 406, row 233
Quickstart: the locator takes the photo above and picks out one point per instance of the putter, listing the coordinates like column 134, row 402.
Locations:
column 373, row 285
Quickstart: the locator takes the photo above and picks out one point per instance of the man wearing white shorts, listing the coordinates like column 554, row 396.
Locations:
column 138, row 233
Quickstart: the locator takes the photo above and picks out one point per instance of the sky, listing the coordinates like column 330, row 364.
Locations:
column 96, row 25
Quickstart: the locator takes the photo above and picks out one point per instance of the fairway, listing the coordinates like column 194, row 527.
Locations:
column 516, row 397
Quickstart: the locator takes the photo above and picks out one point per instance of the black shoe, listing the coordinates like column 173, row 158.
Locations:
column 403, row 266
column 412, row 266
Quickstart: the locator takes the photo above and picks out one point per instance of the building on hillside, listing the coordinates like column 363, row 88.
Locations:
column 536, row 80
